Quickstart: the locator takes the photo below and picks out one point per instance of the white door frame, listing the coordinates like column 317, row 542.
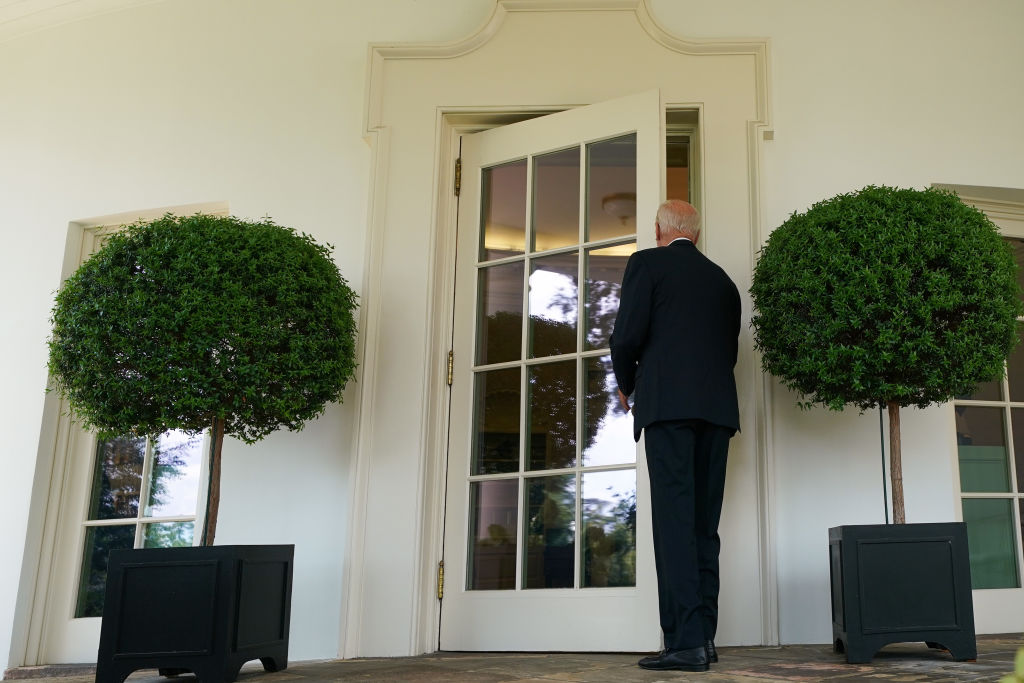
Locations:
column 397, row 121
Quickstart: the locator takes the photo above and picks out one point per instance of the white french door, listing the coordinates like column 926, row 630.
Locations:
column 547, row 527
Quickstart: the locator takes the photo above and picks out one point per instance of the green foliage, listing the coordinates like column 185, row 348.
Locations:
column 885, row 295
column 1018, row 669
column 183, row 319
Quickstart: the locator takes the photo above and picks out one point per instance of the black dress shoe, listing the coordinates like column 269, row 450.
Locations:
column 693, row 659
column 709, row 645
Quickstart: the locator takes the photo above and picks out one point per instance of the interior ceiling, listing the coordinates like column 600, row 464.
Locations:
column 20, row 17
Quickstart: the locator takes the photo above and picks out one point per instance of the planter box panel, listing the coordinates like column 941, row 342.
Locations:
column 185, row 594
column 262, row 603
column 893, row 600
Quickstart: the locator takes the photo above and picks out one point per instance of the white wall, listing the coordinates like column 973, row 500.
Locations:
column 903, row 93
column 259, row 103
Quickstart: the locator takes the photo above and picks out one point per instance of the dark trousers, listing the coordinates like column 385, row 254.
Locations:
column 686, row 462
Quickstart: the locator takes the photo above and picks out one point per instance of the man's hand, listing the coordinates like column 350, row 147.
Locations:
column 624, row 401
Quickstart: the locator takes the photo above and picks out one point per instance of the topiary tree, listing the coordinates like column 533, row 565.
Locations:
column 203, row 322
column 885, row 297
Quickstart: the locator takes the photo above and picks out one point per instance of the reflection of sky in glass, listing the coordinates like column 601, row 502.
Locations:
column 174, row 483
column 602, row 491
column 548, row 292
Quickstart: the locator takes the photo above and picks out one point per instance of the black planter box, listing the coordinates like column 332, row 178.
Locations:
column 901, row 582
column 206, row 610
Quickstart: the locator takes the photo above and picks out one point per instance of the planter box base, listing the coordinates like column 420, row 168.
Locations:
column 901, row 583
column 206, row 611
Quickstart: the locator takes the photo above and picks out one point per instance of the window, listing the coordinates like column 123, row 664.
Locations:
column 990, row 447
column 143, row 495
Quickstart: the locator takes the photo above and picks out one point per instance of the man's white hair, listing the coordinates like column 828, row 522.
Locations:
column 675, row 215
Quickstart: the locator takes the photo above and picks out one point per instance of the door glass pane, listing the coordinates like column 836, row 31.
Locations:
column 493, row 529
column 99, row 541
column 981, row 446
column 992, row 541
column 117, row 479
column 608, row 428
column 556, row 199
column 1015, row 369
column 609, row 528
column 611, row 188
column 550, row 532
column 500, row 317
column 986, row 391
column 174, row 477
column 496, row 435
column 553, row 304
column 551, row 420
column 168, row 535
column 604, row 270
column 503, row 209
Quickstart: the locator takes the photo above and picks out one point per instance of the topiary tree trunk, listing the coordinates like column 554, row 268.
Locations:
column 885, row 297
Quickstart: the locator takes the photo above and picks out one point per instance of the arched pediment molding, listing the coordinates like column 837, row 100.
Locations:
column 379, row 53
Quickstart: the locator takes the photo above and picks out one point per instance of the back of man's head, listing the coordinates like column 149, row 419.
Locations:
column 678, row 217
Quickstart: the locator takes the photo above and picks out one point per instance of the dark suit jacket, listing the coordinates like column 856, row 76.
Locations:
column 675, row 338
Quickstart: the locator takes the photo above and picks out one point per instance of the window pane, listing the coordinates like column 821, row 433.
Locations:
column 168, row 535
column 604, row 270
column 551, row 422
column 117, row 479
column 1015, row 369
column 609, row 528
column 556, row 199
column 553, row 304
column 607, row 427
column 677, row 168
column 496, row 411
column 611, row 188
column 493, row 534
column 99, row 541
column 1017, row 246
column 500, row 316
column 550, row 532
column 981, row 446
column 1017, row 420
column 503, row 209
column 992, row 540
column 174, row 478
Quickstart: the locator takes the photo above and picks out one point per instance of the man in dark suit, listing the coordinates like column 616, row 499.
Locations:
column 673, row 349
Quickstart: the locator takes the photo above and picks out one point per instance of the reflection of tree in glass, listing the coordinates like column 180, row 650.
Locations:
column 169, row 535
column 99, row 541
column 117, row 482
column 550, row 526
column 609, row 552
column 553, row 389
column 602, row 307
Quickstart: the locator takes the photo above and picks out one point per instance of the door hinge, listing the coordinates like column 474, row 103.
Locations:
column 440, row 579
column 458, row 176
column 451, row 366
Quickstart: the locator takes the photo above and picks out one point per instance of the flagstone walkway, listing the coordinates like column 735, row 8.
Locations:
column 902, row 662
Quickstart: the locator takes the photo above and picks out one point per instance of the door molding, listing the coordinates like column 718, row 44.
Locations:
column 430, row 119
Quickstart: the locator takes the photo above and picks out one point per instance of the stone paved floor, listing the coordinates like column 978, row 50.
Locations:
column 902, row 662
